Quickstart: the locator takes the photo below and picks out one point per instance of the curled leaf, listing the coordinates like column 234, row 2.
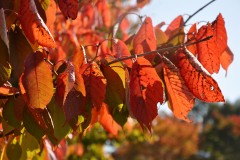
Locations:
column 33, row 26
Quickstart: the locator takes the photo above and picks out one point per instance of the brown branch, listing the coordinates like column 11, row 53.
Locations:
column 159, row 50
column 198, row 11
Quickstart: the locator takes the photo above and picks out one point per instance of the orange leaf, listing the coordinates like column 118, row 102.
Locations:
column 6, row 89
column 191, row 36
column 197, row 78
column 220, row 33
column 120, row 50
column 208, row 53
column 105, row 119
column 180, row 98
column 69, row 8
column 146, row 90
column 226, row 58
column 175, row 24
column 145, row 39
column 37, row 81
column 33, row 26
column 95, row 83
column 51, row 15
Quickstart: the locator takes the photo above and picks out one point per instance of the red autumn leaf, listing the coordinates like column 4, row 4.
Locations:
column 208, row 53
column 65, row 83
column 146, row 90
column 145, row 40
column 180, row 98
column 33, row 26
column 120, row 50
column 51, row 15
column 191, row 36
column 175, row 24
column 197, row 78
column 226, row 58
column 104, row 9
column 142, row 3
column 73, row 107
column 37, row 81
column 95, row 83
column 220, row 33
column 69, row 8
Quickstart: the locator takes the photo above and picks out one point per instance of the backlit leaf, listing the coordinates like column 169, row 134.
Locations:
column 175, row 24
column 191, row 36
column 226, row 58
column 220, row 33
column 145, row 39
column 33, row 26
column 115, row 93
column 197, row 78
column 107, row 121
column 104, row 10
column 8, row 90
column 120, row 50
column 208, row 53
column 146, row 90
column 45, row 3
column 142, row 3
column 180, row 98
column 37, row 81
column 161, row 36
column 69, row 8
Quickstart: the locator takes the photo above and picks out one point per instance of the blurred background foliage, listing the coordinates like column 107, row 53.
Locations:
column 213, row 134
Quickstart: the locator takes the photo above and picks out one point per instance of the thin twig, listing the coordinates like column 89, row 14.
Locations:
column 198, row 11
column 159, row 50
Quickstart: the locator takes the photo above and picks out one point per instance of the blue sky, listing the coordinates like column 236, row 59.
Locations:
column 167, row 10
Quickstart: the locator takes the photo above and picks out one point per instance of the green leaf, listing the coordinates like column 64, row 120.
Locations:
column 5, row 72
column 19, row 49
column 61, row 128
column 115, row 94
column 31, row 125
column 30, row 146
column 14, row 150
column 9, row 114
column 44, row 4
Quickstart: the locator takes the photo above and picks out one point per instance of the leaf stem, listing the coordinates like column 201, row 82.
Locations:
column 159, row 50
column 198, row 11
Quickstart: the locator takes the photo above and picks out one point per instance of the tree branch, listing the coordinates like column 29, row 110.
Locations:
column 159, row 50
column 198, row 11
